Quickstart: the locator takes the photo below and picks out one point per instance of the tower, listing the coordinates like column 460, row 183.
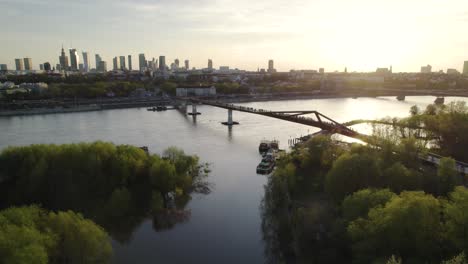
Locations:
column 74, row 60
column 85, row 61
column 63, row 59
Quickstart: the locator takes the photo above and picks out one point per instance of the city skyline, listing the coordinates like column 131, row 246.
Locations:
column 360, row 35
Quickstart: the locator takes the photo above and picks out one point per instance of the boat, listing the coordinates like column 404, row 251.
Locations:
column 439, row 100
column 161, row 108
column 151, row 109
column 266, row 145
column 265, row 167
column 400, row 98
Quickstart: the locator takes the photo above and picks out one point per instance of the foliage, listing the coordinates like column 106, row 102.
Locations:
column 87, row 177
column 32, row 235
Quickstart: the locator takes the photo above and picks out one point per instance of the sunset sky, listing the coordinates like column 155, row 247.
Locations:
column 298, row 34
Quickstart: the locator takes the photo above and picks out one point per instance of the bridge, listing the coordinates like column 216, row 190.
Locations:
column 315, row 119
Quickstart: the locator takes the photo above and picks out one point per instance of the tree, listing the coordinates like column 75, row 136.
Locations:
column 456, row 218
column 361, row 202
column 447, row 173
column 399, row 178
column 351, row 172
column 408, row 225
column 81, row 241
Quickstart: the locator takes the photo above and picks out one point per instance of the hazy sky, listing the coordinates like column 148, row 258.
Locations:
column 298, row 34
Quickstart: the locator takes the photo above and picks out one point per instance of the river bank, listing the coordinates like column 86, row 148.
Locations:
column 96, row 105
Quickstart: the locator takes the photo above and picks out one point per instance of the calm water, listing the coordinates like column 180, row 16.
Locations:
column 225, row 225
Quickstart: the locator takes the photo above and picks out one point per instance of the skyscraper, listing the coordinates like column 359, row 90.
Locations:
column 98, row 60
column 3, row 67
column 102, row 67
column 74, row 60
column 85, row 61
column 176, row 62
column 116, row 63
column 465, row 68
column 187, row 64
column 47, row 66
column 426, row 69
column 210, row 64
column 271, row 66
column 19, row 64
column 142, row 61
column 28, row 64
column 122, row 63
column 129, row 62
column 41, row 67
column 162, row 63
column 63, row 59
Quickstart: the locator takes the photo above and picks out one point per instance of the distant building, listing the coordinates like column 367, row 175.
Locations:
column 196, row 91
column 271, row 66
column 47, row 66
column 122, row 63
column 116, row 63
column 321, row 70
column 41, row 67
column 142, row 61
column 74, row 60
column 210, row 64
column 63, row 59
column 452, row 72
column 3, row 67
column 224, row 68
column 426, row 69
column 187, row 64
column 98, row 61
column 19, row 64
column 85, row 61
column 81, row 67
column 465, row 68
column 383, row 71
column 176, row 63
column 102, row 67
column 28, row 64
column 129, row 62
column 162, row 63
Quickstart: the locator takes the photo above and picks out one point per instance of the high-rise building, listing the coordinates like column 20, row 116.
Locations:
column 81, row 67
column 19, row 64
column 122, row 63
column 28, row 64
column 465, row 68
column 41, row 67
column 102, row 67
column 426, row 69
column 129, row 62
column 74, row 60
column 116, row 63
column 85, row 61
column 47, row 66
column 321, row 70
column 63, row 59
column 162, row 63
column 210, row 64
column 142, row 61
column 176, row 63
column 271, row 66
column 187, row 64
column 3, row 67
column 98, row 60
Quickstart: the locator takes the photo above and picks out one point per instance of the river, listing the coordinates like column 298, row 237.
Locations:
column 225, row 225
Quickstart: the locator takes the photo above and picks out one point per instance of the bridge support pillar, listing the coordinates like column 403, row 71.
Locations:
column 230, row 122
column 194, row 110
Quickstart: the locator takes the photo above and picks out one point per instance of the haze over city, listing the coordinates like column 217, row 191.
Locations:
column 360, row 35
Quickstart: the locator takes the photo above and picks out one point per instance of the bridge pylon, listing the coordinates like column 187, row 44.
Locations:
column 229, row 121
column 194, row 110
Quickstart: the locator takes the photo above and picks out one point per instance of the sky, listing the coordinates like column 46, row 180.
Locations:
column 297, row 34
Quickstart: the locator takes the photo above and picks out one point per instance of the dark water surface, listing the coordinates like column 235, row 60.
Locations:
column 225, row 225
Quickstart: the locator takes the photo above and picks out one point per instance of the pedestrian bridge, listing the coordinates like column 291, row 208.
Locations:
column 313, row 118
